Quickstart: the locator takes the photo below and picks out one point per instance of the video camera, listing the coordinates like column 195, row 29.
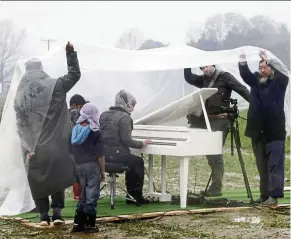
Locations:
column 232, row 111
column 232, row 101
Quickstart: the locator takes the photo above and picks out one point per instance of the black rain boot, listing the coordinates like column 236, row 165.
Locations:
column 79, row 222
column 90, row 226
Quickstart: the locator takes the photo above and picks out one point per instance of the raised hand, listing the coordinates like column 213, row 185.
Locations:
column 69, row 47
column 263, row 55
column 242, row 57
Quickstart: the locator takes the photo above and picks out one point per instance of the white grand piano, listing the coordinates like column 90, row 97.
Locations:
column 180, row 142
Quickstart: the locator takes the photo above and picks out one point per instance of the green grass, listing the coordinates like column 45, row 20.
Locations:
column 121, row 208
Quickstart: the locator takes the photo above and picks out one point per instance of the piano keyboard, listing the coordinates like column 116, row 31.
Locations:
column 159, row 138
column 177, row 141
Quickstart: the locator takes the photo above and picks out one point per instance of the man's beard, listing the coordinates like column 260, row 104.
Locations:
column 263, row 79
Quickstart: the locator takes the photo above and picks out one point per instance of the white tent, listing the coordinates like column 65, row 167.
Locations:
column 154, row 77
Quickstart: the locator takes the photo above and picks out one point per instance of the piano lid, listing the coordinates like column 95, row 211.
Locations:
column 189, row 104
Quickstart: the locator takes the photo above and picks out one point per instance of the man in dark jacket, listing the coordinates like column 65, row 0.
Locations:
column 44, row 129
column 225, row 83
column 266, row 123
column 116, row 126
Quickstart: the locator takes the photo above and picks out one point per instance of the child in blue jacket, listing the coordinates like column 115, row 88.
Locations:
column 87, row 149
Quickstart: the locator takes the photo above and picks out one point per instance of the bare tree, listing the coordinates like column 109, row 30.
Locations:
column 10, row 42
column 231, row 30
column 131, row 40
column 151, row 44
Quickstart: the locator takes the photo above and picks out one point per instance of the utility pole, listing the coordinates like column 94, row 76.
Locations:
column 48, row 42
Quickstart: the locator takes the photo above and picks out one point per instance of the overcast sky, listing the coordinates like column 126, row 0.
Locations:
column 102, row 23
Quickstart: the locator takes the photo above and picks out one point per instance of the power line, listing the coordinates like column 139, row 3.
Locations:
column 48, row 42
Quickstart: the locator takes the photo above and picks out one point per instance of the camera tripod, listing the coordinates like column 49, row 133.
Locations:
column 233, row 116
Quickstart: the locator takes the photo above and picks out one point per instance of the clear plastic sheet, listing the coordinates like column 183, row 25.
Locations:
column 154, row 77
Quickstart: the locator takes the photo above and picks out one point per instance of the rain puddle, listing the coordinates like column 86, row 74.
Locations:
column 252, row 220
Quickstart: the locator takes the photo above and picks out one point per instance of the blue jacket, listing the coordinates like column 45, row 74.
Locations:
column 266, row 117
column 90, row 149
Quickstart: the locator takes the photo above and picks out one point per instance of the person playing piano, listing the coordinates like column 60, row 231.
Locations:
column 116, row 126
column 225, row 83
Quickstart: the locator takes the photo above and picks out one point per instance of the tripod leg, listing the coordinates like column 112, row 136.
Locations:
column 231, row 139
column 237, row 132
column 208, row 183
column 248, row 188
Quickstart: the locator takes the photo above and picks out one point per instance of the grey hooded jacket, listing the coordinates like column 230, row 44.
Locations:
column 116, row 126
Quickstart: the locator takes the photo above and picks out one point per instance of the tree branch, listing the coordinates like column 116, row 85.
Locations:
column 10, row 43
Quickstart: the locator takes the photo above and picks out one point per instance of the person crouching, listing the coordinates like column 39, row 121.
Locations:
column 87, row 148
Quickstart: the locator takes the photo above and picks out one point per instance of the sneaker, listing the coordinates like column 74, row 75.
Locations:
column 44, row 221
column 210, row 193
column 260, row 200
column 270, row 202
column 57, row 220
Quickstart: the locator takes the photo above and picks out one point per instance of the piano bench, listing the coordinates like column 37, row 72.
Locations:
column 113, row 169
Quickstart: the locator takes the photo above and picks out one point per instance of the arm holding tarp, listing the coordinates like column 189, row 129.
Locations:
column 245, row 72
column 74, row 74
column 280, row 71
column 193, row 79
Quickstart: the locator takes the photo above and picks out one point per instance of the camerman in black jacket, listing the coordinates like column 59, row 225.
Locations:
column 225, row 83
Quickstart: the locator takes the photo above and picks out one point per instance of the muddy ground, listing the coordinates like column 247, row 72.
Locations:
column 255, row 223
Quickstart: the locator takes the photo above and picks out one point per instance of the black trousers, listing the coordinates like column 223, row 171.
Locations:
column 134, row 176
column 270, row 159
column 58, row 201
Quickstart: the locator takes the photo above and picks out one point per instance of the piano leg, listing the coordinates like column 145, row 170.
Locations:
column 150, row 169
column 162, row 196
column 184, row 167
column 165, row 197
column 163, row 174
